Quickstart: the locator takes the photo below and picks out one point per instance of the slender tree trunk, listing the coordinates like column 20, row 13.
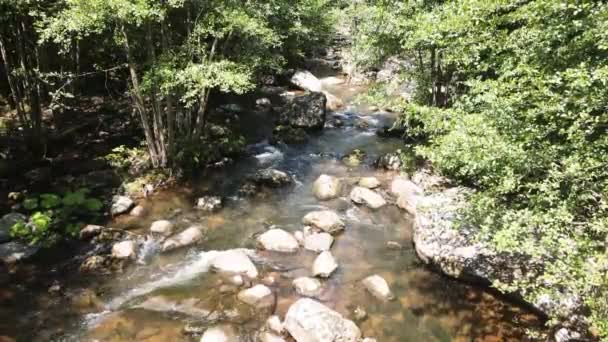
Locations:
column 139, row 101
column 204, row 96
column 433, row 77
column 12, row 84
column 169, row 102
column 158, row 125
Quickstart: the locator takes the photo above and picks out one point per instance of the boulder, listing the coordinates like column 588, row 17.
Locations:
column 272, row 178
column 318, row 242
column 378, row 287
column 310, row 321
column 259, row 296
column 333, row 102
column 326, row 187
column 401, row 186
column 324, row 265
column 209, row 203
column 369, row 182
column 222, row 333
column 306, row 111
column 354, row 158
column 390, row 161
column 326, row 220
column 138, row 211
column 234, row 261
column 90, row 231
column 121, row 205
column 368, row 197
column 308, row 287
column 7, row 222
column 14, row 251
column 288, row 135
column 124, row 250
column 162, row 227
column 270, row 337
column 274, row 324
column 407, row 203
column 278, row 240
column 186, row 238
column 305, row 80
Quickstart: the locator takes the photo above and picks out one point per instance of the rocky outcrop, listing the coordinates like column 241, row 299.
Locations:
column 310, row 321
column 370, row 198
column 278, row 240
column 306, row 111
column 326, row 220
column 326, row 187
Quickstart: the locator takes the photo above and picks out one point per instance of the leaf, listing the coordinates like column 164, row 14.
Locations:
column 30, row 203
column 48, row 201
column 93, row 204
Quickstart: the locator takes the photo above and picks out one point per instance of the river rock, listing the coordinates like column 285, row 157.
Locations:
column 15, row 251
column 124, row 250
column 401, row 186
column 305, row 80
column 310, row 321
column 333, row 102
column 390, row 161
column 272, row 178
column 274, row 324
column 7, row 222
column 278, row 240
column 288, row 135
column 324, row 265
column 407, row 203
column 270, row 337
column 90, row 231
column 162, row 227
column 263, row 103
column 325, row 220
column 138, row 211
column 306, row 111
column 378, row 287
column 209, row 203
column 370, row 198
column 354, row 158
column 369, row 182
column 121, row 205
column 186, row 238
column 309, row 287
column 318, row 242
column 222, row 333
column 326, row 187
column 259, row 296
column 234, row 261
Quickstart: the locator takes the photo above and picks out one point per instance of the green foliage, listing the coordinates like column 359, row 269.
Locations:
column 52, row 217
column 523, row 121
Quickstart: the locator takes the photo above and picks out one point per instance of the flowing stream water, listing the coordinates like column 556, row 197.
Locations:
column 164, row 295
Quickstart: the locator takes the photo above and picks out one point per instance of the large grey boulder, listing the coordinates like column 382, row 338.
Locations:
column 7, row 222
column 324, row 265
column 370, row 198
column 188, row 237
column 305, row 80
column 121, row 205
column 235, row 262
column 326, row 220
column 326, row 187
column 310, row 321
column 278, row 240
column 306, row 111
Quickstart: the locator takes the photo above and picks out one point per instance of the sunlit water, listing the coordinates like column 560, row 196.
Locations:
column 427, row 306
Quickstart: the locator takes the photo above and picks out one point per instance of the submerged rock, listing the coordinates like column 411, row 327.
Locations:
column 278, row 240
column 326, row 220
column 222, row 333
column 326, row 187
column 162, row 227
column 121, row 205
column 354, row 158
column 318, row 242
column 259, row 296
column 309, row 287
column 378, row 287
column 368, row 197
column 272, row 178
column 209, row 203
column 234, row 261
column 306, row 111
column 186, row 238
column 324, row 265
column 310, row 321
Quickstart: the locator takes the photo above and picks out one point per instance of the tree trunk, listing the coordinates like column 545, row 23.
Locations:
column 170, row 110
column 433, row 78
column 12, row 84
